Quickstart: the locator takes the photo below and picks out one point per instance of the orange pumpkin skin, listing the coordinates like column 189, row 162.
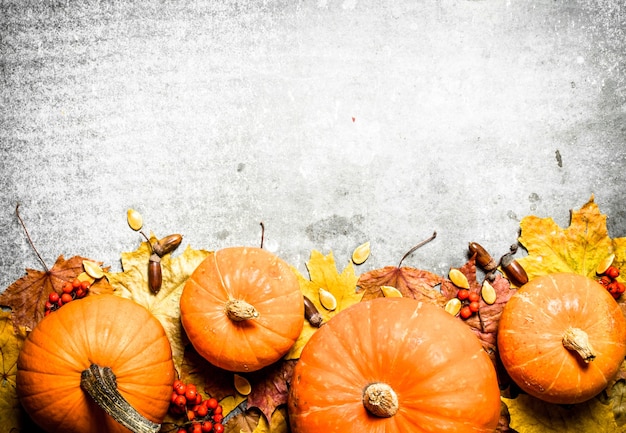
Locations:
column 106, row 330
column 257, row 277
column 531, row 330
column 444, row 380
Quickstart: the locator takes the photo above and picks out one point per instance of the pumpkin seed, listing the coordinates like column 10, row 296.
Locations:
column 242, row 385
column 453, row 306
column 391, row 292
column 327, row 299
column 361, row 253
column 604, row 264
column 135, row 220
column 93, row 270
column 488, row 293
column 84, row 276
column 458, row 278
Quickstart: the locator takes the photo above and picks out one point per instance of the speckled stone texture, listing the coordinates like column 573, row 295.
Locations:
column 332, row 122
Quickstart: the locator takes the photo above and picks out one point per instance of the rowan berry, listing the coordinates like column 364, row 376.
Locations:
column 612, row 272
column 66, row 297
column 207, row 426
column 181, row 401
column 218, row 417
column 202, row 411
column 76, row 283
column 218, row 428
column 68, row 288
column 212, row 403
column 473, row 297
column 465, row 312
column 53, row 297
column 474, row 306
column 190, row 394
column 463, row 294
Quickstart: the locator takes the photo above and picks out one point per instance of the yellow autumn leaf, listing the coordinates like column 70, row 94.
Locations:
column 11, row 342
column 323, row 274
column 531, row 415
column 578, row 248
column 132, row 283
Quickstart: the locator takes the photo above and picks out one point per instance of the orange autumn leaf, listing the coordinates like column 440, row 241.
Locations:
column 411, row 282
column 579, row 248
column 27, row 296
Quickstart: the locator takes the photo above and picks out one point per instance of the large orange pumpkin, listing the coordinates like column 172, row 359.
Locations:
column 394, row 365
column 98, row 337
column 562, row 337
column 242, row 308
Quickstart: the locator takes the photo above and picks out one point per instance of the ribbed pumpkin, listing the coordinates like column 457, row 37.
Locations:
column 85, row 339
column 242, row 308
column 562, row 337
column 394, row 365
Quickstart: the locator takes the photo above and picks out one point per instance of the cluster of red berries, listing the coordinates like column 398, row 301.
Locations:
column 75, row 289
column 203, row 416
column 609, row 280
column 470, row 301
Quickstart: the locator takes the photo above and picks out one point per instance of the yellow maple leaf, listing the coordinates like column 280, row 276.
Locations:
column 132, row 283
column 531, row 415
column 11, row 342
column 579, row 248
column 323, row 275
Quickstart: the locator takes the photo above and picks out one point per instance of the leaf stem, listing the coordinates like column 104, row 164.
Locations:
column 17, row 212
column 421, row 244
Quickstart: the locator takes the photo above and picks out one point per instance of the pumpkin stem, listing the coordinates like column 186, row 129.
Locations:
column 100, row 383
column 576, row 339
column 380, row 400
column 239, row 310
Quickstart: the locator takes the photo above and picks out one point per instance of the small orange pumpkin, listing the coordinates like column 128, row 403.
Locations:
column 394, row 365
column 562, row 337
column 242, row 308
column 99, row 341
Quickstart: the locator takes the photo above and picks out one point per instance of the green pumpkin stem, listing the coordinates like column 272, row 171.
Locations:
column 100, row 383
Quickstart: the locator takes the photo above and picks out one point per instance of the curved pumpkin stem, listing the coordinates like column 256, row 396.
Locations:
column 238, row 310
column 100, row 383
column 380, row 400
column 576, row 339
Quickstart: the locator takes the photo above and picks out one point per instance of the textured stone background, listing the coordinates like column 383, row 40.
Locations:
column 332, row 121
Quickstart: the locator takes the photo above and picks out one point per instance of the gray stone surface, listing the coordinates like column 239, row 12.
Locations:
column 331, row 121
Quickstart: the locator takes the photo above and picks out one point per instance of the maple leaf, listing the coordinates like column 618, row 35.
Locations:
column 323, row 274
column 579, row 248
column 269, row 387
column 411, row 282
column 27, row 296
column 531, row 415
column 11, row 414
column 132, row 283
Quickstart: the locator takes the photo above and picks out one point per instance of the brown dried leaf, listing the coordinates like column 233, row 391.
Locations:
column 269, row 387
column 27, row 296
column 411, row 282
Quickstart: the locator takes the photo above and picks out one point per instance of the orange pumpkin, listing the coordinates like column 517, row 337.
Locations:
column 101, row 340
column 562, row 337
column 242, row 308
column 394, row 365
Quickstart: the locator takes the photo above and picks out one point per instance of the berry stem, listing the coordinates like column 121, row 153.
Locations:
column 17, row 212
column 419, row 245
column 100, row 383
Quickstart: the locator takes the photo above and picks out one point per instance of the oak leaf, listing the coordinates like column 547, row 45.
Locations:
column 27, row 296
column 579, row 248
column 132, row 283
column 324, row 275
column 411, row 282
column 531, row 415
column 11, row 341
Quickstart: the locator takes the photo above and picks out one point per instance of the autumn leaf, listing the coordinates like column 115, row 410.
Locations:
column 579, row 248
column 323, row 275
column 411, row 282
column 269, row 387
column 27, row 296
column 11, row 414
column 531, row 415
column 132, row 283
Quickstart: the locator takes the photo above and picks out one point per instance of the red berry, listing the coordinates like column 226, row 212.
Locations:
column 76, row 283
column 85, row 285
column 181, row 430
column 212, row 403
column 207, row 426
column 605, row 280
column 463, row 294
column 612, row 272
column 474, row 306
column 465, row 312
column 202, row 411
column 218, row 428
column 80, row 293
column 198, row 398
column 181, row 401
column 191, row 394
column 196, row 427
column 66, row 297
column 218, row 409
column 474, row 297
column 620, row 287
column 53, row 297
column 191, row 415
column 67, row 287
column 180, row 389
column 218, row 417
